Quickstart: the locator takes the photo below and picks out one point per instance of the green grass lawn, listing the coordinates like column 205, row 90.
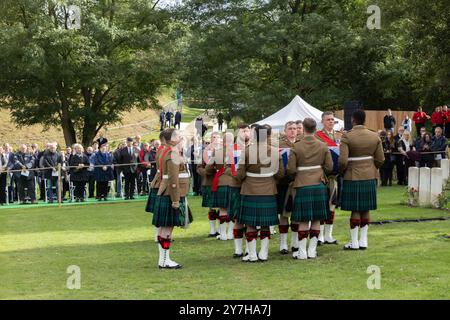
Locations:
column 112, row 243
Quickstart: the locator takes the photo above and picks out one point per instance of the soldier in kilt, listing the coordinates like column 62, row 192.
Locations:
column 170, row 210
column 361, row 155
column 284, row 188
column 154, row 186
column 234, row 200
column 257, row 172
column 213, row 215
column 331, row 138
column 220, row 167
column 310, row 161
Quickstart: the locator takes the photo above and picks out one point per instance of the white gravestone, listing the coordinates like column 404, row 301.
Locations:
column 424, row 186
column 436, row 186
column 413, row 184
column 445, row 166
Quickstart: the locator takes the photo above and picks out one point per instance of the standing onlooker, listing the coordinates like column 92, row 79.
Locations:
column 24, row 161
column 79, row 175
column 436, row 119
column 389, row 121
column 387, row 142
column 406, row 123
column 439, row 144
column 3, row 175
column 144, row 165
column 178, row 119
column 91, row 181
column 420, row 118
column 404, row 145
column 162, row 120
column 155, row 144
column 118, row 169
column 220, row 121
column 49, row 162
column 103, row 172
column 129, row 160
column 169, row 118
column 426, row 159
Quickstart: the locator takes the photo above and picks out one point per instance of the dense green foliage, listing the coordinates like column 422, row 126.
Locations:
column 82, row 79
column 259, row 54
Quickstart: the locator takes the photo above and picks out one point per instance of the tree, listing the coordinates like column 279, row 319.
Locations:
column 82, row 79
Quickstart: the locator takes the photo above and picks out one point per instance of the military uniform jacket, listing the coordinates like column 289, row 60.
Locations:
column 172, row 184
column 157, row 179
column 258, row 185
column 201, row 170
column 360, row 142
column 218, row 160
column 309, row 152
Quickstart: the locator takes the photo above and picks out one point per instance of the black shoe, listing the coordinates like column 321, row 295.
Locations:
column 284, row 251
column 294, row 249
column 235, row 255
column 362, row 248
column 132, row 198
column 333, row 242
column 210, row 235
column 127, row 198
column 178, row 266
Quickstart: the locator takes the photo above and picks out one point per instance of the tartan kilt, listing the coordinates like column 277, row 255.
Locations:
column 234, row 202
column 152, row 197
column 163, row 215
column 258, row 211
column 360, row 195
column 206, row 195
column 220, row 198
column 311, row 203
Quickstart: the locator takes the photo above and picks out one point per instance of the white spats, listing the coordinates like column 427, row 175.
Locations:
column 302, row 253
column 354, row 243
column 283, row 242
column 238, row 247
column 321, row 234
column 156, row 233
column 329, row 234
column 230, row 235
column 363, row 242
column 312, row 248
column 222, row 232
column 264, row 251
column 252, row 256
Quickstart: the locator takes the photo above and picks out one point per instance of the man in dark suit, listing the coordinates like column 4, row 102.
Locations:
column 178, row 119
column 128, row 156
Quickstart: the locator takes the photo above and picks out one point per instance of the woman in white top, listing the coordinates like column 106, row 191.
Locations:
column 403, row 146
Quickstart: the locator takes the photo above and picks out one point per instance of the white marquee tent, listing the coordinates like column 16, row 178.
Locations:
column 297, row 109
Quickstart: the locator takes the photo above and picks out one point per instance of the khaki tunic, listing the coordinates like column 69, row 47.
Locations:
column 172, row 166
column 258, row 185
column 360, row 142
column 310, row 152
column 218, row 160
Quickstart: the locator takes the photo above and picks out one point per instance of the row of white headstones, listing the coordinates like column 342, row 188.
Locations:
column 429, row 183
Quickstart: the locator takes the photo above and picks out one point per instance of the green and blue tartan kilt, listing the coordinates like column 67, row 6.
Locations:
column 282, row 190
column 206, row 196
column 220, row 198
column 163, row 215
column 258, row 211
column 234, row 202
column 360, row 195
column 152, row 197
column 311, row 203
